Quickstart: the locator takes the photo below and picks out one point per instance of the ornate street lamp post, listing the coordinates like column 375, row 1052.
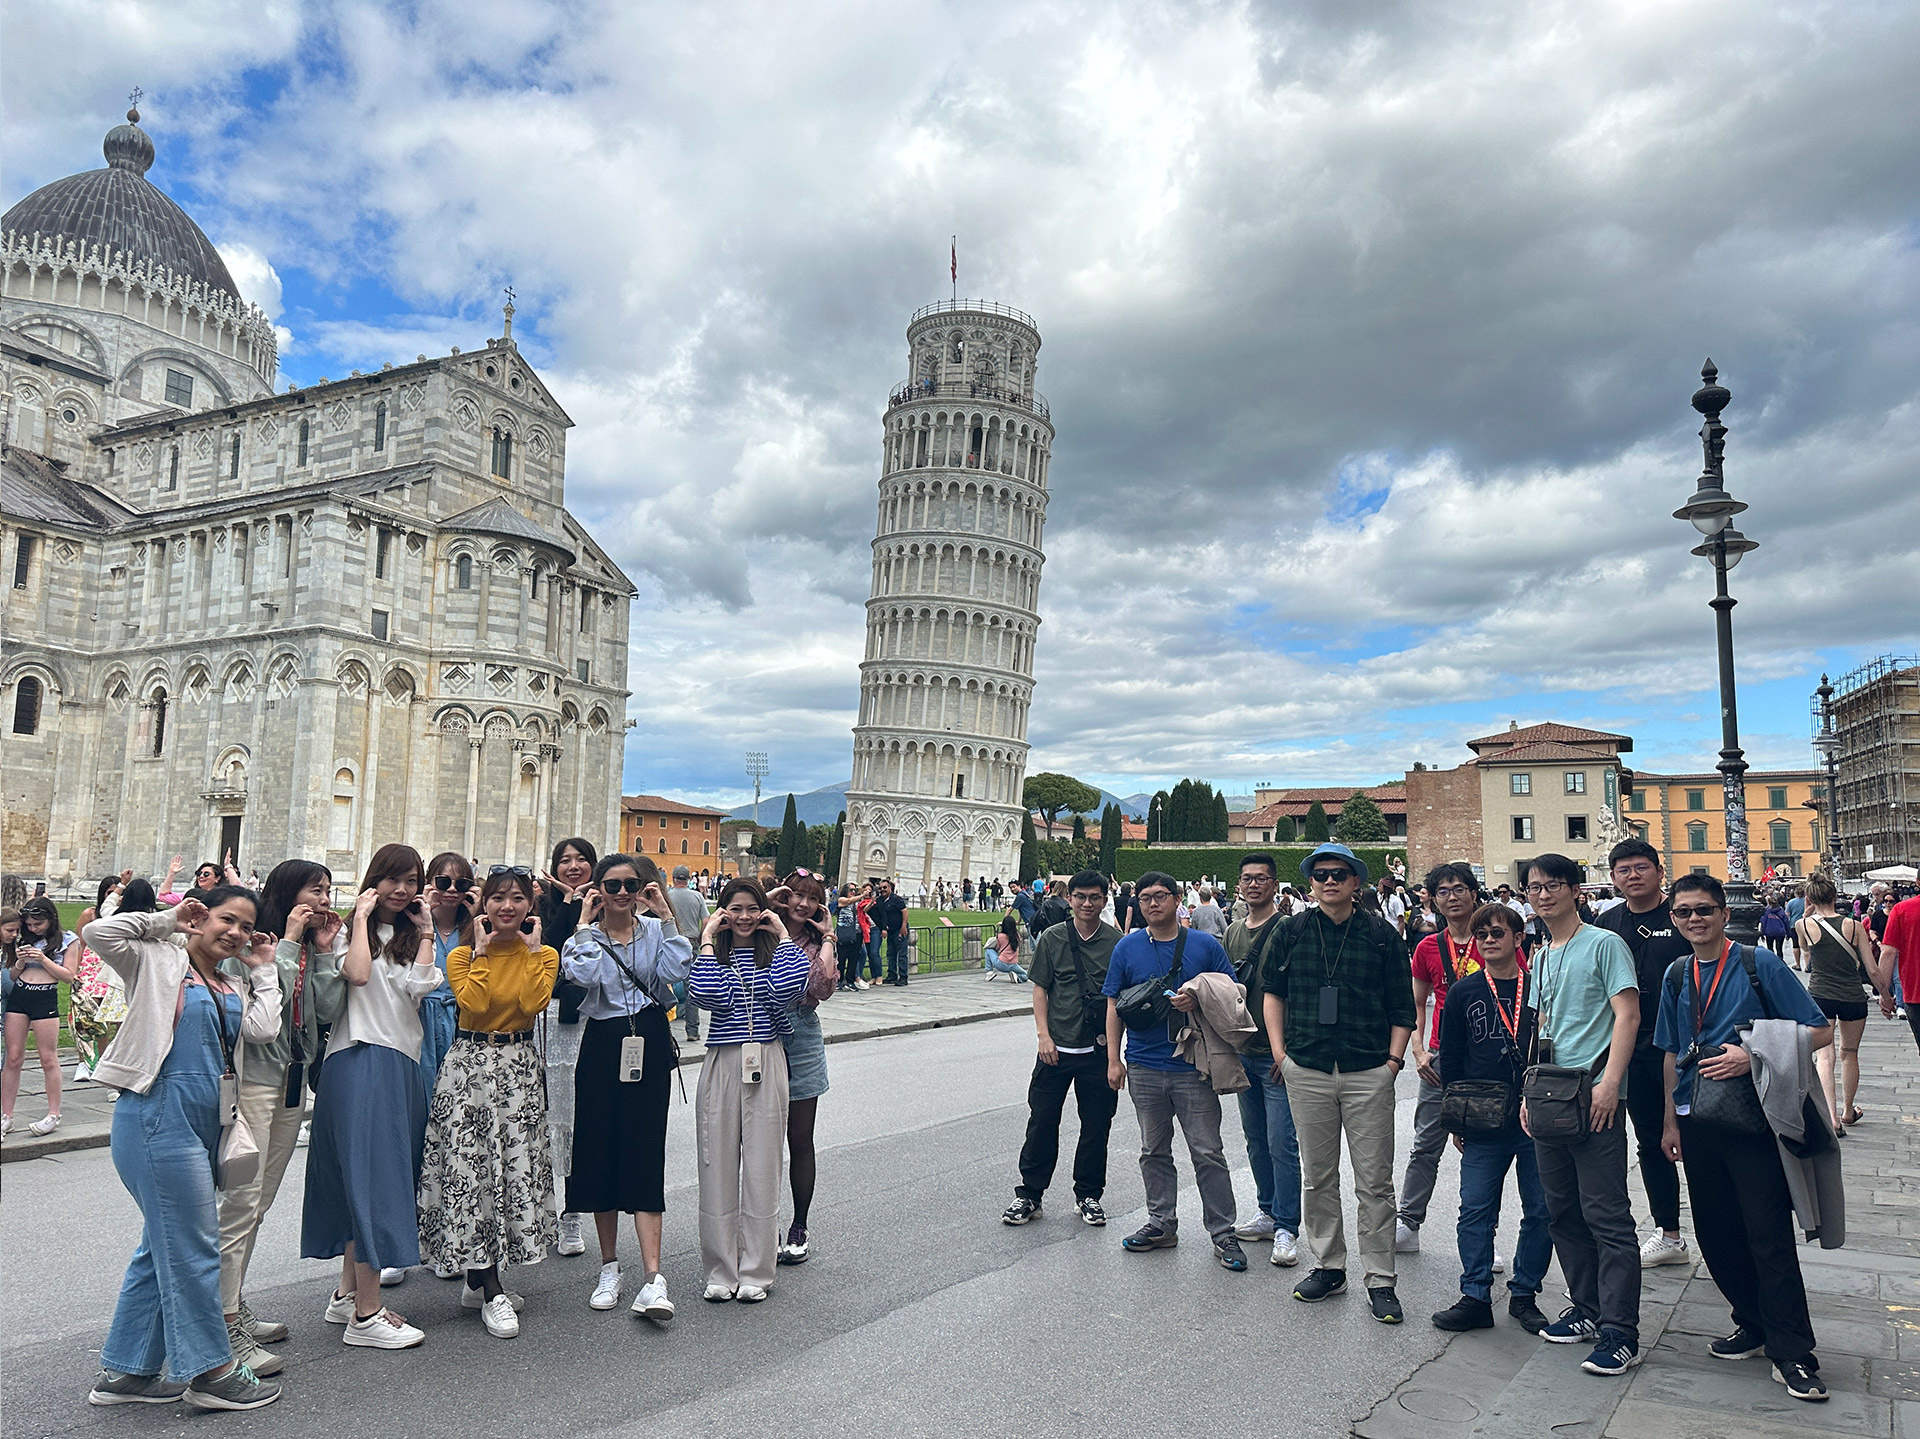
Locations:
column 1827, row 742
column 1711, row 512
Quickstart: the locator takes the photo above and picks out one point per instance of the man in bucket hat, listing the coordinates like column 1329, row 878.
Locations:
column 1339, row 1015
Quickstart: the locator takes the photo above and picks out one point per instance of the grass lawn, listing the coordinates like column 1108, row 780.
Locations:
column 930, row 918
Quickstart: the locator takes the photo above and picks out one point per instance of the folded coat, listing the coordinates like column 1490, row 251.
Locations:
column 1217, row 1031
column 1795, row 1103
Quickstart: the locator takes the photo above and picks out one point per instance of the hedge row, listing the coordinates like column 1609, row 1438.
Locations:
column 1224, row 861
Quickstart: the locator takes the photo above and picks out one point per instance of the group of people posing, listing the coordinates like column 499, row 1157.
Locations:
column 1534, row 1061
column 490, row 1059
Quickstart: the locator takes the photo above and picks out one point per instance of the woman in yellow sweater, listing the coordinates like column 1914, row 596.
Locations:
column 486, row 1188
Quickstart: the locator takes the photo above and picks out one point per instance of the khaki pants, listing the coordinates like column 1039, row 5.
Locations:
column 1361, row 1104
column 742, row 1132
column 276, row 1129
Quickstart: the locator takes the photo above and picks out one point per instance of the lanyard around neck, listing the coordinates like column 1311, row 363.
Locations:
column 1719, row 973
column 1512, row 1026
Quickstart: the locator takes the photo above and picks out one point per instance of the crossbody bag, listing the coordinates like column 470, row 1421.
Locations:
column 1477, row 1108
column 1731, row 1105
column 1092, row 1001
column 653, row 992
column 239, row 1152
column 1149, row 1002
column 1559, row 1099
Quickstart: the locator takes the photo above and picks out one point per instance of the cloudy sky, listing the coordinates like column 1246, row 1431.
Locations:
column 1369, row 331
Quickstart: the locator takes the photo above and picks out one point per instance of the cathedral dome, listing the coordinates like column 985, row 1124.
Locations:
column 119, row 209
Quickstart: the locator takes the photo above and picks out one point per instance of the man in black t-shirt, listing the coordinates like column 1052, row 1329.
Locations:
column 1646, row 925
column 888, row 916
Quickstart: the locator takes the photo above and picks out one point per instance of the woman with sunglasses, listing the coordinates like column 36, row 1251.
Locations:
column 310, row 941
column 626, row 964
column 561, row 892
column 801, row 904
column 486, row 1188
column 449, row 897
column 748, row 975
column 364, row 1156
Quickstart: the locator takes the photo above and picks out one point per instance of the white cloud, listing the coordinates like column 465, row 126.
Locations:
column 259, row 282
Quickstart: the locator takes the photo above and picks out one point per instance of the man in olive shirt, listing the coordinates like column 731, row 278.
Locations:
column 1339, row 1013
column 1068, row 969
column 1266, row 1118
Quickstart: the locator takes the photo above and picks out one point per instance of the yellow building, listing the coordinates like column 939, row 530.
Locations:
column 1684, row 817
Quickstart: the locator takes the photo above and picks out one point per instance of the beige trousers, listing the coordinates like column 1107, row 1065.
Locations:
column 1361, row 1105
column 742, row 1137
column 276, row 1129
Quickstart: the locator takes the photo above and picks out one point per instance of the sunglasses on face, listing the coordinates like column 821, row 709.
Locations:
column 445, row 882
column 620, row 886
column 1491, row 931
column 1330, row 876
column 1693, row 911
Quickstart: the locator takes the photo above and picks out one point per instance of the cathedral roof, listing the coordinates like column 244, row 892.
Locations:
column 32, row 487
column 497, row 517
column 119, row 209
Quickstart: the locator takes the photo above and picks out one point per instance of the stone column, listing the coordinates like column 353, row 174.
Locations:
column 474, row 742
column 310, row 776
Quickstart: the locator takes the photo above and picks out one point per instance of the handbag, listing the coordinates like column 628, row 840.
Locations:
column 1147, row 1003
column 1730, row 1105
column 1093, row 1001
column 1559, row 1099
column 239, row 1153
column 1473, row 1108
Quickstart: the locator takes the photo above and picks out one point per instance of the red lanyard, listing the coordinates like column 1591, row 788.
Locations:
column 1512, row 1026
column 1720, row 973
column 1455, row 957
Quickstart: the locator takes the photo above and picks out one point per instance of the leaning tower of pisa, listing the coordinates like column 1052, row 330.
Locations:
column 940, row 748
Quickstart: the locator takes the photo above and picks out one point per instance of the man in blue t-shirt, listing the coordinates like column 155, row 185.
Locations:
column 1742, row 1210
column 1164, row 1086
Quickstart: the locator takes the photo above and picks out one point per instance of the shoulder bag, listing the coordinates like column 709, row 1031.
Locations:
column 1558, row 1099
column 1731, row 1105
column 1475, row 1108
column 239, row 1153
column 1093, row 1002
column 1147, row 1003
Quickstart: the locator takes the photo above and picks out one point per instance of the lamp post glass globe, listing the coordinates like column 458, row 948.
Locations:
column 1726, row 547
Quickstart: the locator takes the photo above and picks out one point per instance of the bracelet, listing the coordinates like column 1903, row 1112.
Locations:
column 1397, row 1062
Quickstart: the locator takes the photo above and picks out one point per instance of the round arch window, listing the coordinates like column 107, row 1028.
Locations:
column 70, row 415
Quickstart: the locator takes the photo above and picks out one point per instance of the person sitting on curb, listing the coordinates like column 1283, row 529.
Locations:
column 1485, row 1034
column 1339, row 1016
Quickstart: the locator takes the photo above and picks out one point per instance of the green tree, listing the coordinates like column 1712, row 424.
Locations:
column 1079, row 829
column 786, row 851
column 1285, row 831
column 1361, row 821
column 1109, row 839
column 1177, row 827
column 1048, row 794
column 1029, row 849
column 1317, row 828
column 1221, row 822
column 830, row 852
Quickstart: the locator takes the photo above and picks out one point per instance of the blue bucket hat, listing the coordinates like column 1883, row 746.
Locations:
column 1340, row 852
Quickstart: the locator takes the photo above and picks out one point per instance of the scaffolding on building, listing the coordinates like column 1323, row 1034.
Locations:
column 1876, row 714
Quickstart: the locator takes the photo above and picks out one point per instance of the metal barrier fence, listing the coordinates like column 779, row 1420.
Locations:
column 936, row 949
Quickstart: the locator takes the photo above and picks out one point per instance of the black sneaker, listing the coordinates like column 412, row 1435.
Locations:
column 1230, row 1254
column 1092, row 1213
column 1743, row 1343
column 1524, row 1312
column 1614, row 1354
column 1801, row 1381
column 1571, row 1327
column 1021, row 1211
column 1385, row 1305
column 112, row 1388
column 1320, row 1284
column 1467, row 1313
column 1150, row 1236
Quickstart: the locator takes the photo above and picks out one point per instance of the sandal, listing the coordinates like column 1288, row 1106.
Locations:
column 1855, row 1115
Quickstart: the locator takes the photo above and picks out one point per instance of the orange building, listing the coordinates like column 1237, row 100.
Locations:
column 670, row 833
column 1684, row 817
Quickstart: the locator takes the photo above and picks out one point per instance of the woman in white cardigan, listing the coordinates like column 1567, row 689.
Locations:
column 175, row 1061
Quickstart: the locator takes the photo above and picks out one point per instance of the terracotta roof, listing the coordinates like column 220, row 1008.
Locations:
column 1562, row 733
column 659, row 804
column 1294, row 803
column 1541, row 750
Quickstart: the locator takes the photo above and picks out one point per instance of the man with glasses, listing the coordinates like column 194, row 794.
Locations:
column 1069, row 1011
column 1644, row 922
column 1439, row 961
column 1164, row 1086
column 1742, row 1209
column 1586, row 1003
column 1339, row 1014
column 1266, row 1118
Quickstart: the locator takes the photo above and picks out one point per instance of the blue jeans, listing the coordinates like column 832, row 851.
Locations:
column 1273, row 1152
column 1001, row 966
column 169, row 1315
column 897, row 956
column 1483, row 1174
column 873, row 957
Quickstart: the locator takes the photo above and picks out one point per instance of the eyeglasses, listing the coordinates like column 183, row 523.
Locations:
column 1330, row 876
column 1551, row 886
column 620, row 886
column 519, row 870
column 1453, row 891
column 1636, row 871
column 1154, row 896
column 452, row 881
column 1693, row 911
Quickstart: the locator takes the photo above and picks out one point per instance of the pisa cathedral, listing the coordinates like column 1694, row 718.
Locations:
column 940, row 747
column 295, row 624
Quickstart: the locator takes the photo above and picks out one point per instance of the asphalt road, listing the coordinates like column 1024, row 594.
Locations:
column 920, row 1313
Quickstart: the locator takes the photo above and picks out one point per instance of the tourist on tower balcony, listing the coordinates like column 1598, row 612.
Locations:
column 572, row 871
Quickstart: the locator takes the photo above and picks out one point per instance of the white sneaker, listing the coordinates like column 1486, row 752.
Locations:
column 340, row 1309
column 497, row 1314
column 1661, row 1250
column 45, row 1126
column 1499, row 1263
column 390, row 1277
column 652, row 1302
column 6, row 1124
column 717, row 1294
column 570, row 1241
column 1286, row 1249
column 860, row 984
column 384, row 1330
column 750, row 1294
column 1258, row 1229
column 451, row 1271
column 606, row 1291
column 477, row 1299
column 1406, row 1237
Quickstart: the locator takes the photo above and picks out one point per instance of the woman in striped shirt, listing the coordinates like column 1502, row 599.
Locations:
column 749, row 975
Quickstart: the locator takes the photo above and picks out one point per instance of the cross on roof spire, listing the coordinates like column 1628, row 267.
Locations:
column 507, row 311
column 133, row 103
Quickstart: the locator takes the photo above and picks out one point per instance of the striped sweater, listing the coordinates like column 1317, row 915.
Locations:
column 731, row 989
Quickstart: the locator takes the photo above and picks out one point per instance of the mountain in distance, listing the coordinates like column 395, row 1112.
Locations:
column 817, row 806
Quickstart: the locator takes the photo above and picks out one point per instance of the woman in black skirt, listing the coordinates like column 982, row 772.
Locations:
column 626, row 964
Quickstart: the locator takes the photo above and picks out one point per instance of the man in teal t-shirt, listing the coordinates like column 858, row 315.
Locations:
column 1586, row 999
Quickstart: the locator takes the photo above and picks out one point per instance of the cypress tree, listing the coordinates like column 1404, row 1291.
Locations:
column 1109, row 839
column 1079, row 829
column 1178, row 824
column 1221, row 823
column 785, row 856
column 1317, row 827
column 1029, row 850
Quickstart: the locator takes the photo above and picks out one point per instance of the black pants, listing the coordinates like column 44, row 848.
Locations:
column 1086, row 1075
column 1647, row 1106
column 897, row 957
column 1913, row 1021
column 1743, row 1220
